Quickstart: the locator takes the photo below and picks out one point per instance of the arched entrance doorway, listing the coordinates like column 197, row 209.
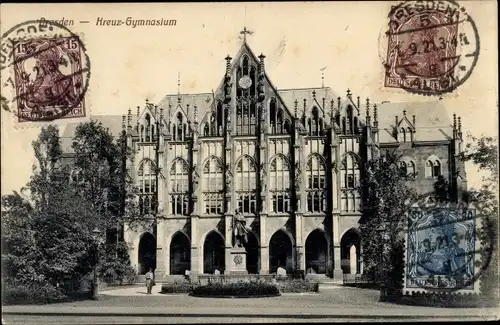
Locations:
column 213, row 253
column 316, row 252
column 252, row 248
column 350, row 246
column 147, row 253
column 280, row 252
column 180, row 254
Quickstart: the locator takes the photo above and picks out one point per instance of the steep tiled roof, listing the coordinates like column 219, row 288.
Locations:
column 432, row 122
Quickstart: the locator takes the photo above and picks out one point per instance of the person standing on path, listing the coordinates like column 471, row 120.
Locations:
column 149, row 280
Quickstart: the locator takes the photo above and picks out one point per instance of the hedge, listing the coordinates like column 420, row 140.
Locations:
column 238, row 289
column 297, row 286
column 177, row 287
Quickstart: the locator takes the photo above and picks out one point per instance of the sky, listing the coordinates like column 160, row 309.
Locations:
column 131, row 64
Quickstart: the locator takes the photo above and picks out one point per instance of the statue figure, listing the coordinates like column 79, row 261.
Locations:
column 297, row 176
column 240, row 229
column 263, row 180
column 195, row 180
column 228, row 181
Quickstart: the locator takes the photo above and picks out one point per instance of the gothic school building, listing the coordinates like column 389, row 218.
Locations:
column 290, row 160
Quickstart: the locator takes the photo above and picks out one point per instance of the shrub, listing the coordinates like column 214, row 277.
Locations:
column 32, row 293
column 298, row 286
column 238, row 289
column 177, row 287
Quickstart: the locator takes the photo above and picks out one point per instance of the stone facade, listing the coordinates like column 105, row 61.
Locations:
column 289, row 160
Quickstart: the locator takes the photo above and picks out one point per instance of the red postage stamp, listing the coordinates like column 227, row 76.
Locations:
column 432, row 47
column 49, row 79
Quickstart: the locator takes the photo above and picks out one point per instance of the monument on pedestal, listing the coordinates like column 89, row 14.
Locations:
column 238, row 252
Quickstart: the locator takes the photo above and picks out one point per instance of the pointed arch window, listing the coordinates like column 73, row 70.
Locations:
column 179, row 128
column 404, row 167
column 350, row 172
column 316, row 183
column 147, row 187
column 350, row 120
column 279, row 184
column 179, row 187
column 216, row 124
column 245, row 185
column 403, row 133
column 276, row 116
column 245, row 65
column 213, row 186
column 432, row 167
column 315, row 124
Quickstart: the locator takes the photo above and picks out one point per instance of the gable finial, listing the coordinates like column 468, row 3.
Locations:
column 404, row 112
column 129, row 118
column 244, row 32
column 323, row 77
column 314, row 93
column 367, row 106
column 349, row 93
column 179, row 87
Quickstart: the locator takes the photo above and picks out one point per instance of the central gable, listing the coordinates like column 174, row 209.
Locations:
column 244, row 73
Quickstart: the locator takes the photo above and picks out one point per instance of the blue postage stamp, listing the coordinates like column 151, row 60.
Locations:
column 441, row 249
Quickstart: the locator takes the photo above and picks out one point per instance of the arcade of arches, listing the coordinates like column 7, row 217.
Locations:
column 282, row 253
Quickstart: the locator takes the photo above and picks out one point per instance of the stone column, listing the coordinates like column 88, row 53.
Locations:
column 195, row 249
column 337, row 270
column 264, row 245
column 228, row 241
column 299, row 244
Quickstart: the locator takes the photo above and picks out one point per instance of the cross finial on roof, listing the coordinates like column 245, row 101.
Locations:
column 404, row 112
column 245, row 31
column 348, row 93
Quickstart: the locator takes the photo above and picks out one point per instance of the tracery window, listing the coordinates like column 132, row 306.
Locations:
column 147, row 130
column 179, row 128
column 179, row 187
column 279, row 184
column 315, row 124
column 276, row 116
column 316, row 183
column 146, row 179
column 215, row 126
column 246, row 185
column 246, row 103
column 213, row 186
column 349, row 172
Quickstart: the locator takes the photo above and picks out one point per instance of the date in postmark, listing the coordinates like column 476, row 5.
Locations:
column 47, row 67
column 433, row 47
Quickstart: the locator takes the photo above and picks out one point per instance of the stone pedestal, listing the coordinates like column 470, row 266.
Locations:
column 238, row 261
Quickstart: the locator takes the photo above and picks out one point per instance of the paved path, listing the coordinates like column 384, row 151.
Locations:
column 132, row 305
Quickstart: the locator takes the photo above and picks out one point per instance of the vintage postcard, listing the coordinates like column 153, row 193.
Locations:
column 327, row 161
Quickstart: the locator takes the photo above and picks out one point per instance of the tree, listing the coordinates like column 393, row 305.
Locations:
column 48, row 237
column 441, row 190
column 387, row 192
column 483, row 153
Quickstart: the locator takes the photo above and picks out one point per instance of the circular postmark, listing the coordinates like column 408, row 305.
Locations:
column 48, row 70
column 448, row 247
column 432, row 47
